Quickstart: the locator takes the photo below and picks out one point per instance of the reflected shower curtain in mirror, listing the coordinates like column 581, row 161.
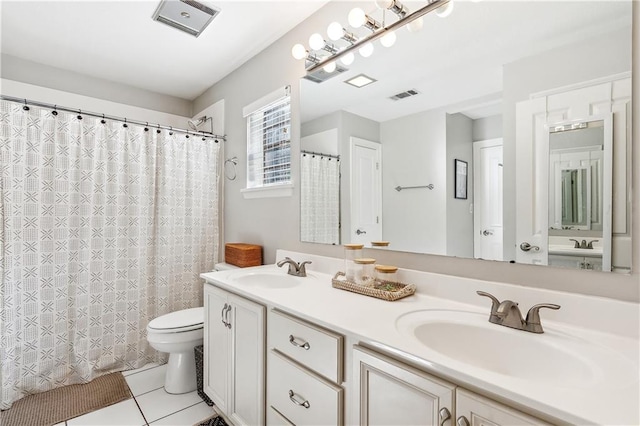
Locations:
column 103, row 229
column 319, row 199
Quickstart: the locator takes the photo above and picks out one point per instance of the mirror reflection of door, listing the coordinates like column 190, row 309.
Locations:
column 487, row 196
column 366, row 191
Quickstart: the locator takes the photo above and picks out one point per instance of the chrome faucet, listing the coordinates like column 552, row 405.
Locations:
column 296, row 269
column 508, row 314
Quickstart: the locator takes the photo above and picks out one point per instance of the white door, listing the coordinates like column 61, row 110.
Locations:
column 487, row 196
column 391, row 393
column 532, row 171
column 216, row 343
column 247, row 328
column 366, row 191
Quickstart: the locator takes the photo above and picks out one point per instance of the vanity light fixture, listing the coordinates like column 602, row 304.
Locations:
column 323, row 56
column 360, row 81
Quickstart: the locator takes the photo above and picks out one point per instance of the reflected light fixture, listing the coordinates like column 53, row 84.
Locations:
column 323, row 55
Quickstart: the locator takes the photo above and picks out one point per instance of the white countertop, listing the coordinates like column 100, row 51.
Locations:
column 614, row 400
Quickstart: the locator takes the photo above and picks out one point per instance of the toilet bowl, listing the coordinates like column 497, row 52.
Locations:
column 177, row 334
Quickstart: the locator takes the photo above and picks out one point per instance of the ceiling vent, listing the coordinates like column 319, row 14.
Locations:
column 403, row 95
column 185, row 15
column 321, row 75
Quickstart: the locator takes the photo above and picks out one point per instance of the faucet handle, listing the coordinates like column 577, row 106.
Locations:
column 590, row 245
column 495, row 303
column 532, row 323
column 577, row 244
column 302, row 270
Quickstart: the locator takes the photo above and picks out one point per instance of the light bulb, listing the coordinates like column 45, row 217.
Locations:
column 298, row 51
column 415, row 25
column 366, row 50
column 357, row 17
column 348, row 58
column 384, row 4
column 316, row 41
column 445, row 10
column 335, row 31
column 330, row 67
column 388, row 39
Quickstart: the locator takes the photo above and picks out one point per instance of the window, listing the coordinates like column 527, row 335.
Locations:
column 269, row 141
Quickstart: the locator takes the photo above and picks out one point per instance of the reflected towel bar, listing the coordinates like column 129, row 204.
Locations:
column 400, row 188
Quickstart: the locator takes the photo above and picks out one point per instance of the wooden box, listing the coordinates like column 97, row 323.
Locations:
column 243, row 255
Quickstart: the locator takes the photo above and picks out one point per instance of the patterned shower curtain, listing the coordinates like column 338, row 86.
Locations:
column 103, row 228
column 319, row 199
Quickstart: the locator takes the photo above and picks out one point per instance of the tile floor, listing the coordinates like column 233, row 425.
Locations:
column 150, row 404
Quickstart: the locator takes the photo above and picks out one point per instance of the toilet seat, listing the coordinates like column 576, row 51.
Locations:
column 178, row 322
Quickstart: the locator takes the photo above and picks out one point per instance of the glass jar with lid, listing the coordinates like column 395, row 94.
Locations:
column 351, row 252
column 386, row 273
column 364, row 273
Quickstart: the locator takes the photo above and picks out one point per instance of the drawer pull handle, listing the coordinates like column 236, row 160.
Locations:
column 445, row 415
column 223, row 315
column 306, row 346
column 304, row 403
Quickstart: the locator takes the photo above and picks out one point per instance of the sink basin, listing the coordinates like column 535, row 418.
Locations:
column 469, row 338
column 267, row 279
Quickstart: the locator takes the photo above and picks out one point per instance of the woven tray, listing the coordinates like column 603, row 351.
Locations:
column 379, row 289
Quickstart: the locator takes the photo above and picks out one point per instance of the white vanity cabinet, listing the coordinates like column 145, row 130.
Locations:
column 234, row 330
column 305, row 373
column 390, row 392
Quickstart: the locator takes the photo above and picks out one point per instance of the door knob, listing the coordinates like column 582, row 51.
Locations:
column 487, row 232
column 359, row 232
column 528, row 247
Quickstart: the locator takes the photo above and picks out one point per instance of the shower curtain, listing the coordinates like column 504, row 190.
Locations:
column 103, row 228
column 319, row 199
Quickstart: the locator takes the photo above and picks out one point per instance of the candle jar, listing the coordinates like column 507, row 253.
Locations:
column 351, row 252
column 364, row 273
column 386, row 273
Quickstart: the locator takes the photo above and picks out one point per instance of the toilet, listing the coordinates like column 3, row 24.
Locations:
column 177, row 334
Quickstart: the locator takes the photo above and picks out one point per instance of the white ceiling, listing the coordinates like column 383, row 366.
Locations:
column 457, row 62
column 119, row 41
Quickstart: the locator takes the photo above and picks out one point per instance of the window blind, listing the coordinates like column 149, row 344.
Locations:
column 269, row 144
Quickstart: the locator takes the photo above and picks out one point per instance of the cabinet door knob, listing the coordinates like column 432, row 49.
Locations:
column 305, row 345
column 462, row 421
column 444, row 415
column 304, row 403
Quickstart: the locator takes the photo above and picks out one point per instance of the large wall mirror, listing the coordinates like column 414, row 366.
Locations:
column 484, row 135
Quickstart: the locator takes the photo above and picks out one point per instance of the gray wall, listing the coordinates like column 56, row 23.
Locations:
column 459, row 216
column 414, row 153
column 487, row 128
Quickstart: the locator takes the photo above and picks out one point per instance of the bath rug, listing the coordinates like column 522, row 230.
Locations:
column 58, row 405
column 216, row 420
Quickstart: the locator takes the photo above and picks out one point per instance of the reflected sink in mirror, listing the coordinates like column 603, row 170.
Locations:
column 273, row 279
column 552, row 357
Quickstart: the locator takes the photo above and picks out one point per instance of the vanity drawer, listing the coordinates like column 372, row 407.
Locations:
column 319, row 349
column 299, row 395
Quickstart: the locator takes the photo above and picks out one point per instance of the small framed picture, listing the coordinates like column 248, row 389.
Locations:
column 461, row 179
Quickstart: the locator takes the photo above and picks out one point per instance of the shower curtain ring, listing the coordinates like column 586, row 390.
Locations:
column 125, row 125
column 25, row 107
column 158, row 131
column 103, row 121
column 79, row 117
column 146, row 128
column 54, row 112
column 170, row 130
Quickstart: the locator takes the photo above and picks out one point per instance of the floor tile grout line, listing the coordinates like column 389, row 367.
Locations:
column 149, row 391
column 141, row 413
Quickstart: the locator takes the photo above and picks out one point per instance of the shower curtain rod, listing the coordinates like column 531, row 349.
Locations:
column 302, row 151
column 125, row 120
